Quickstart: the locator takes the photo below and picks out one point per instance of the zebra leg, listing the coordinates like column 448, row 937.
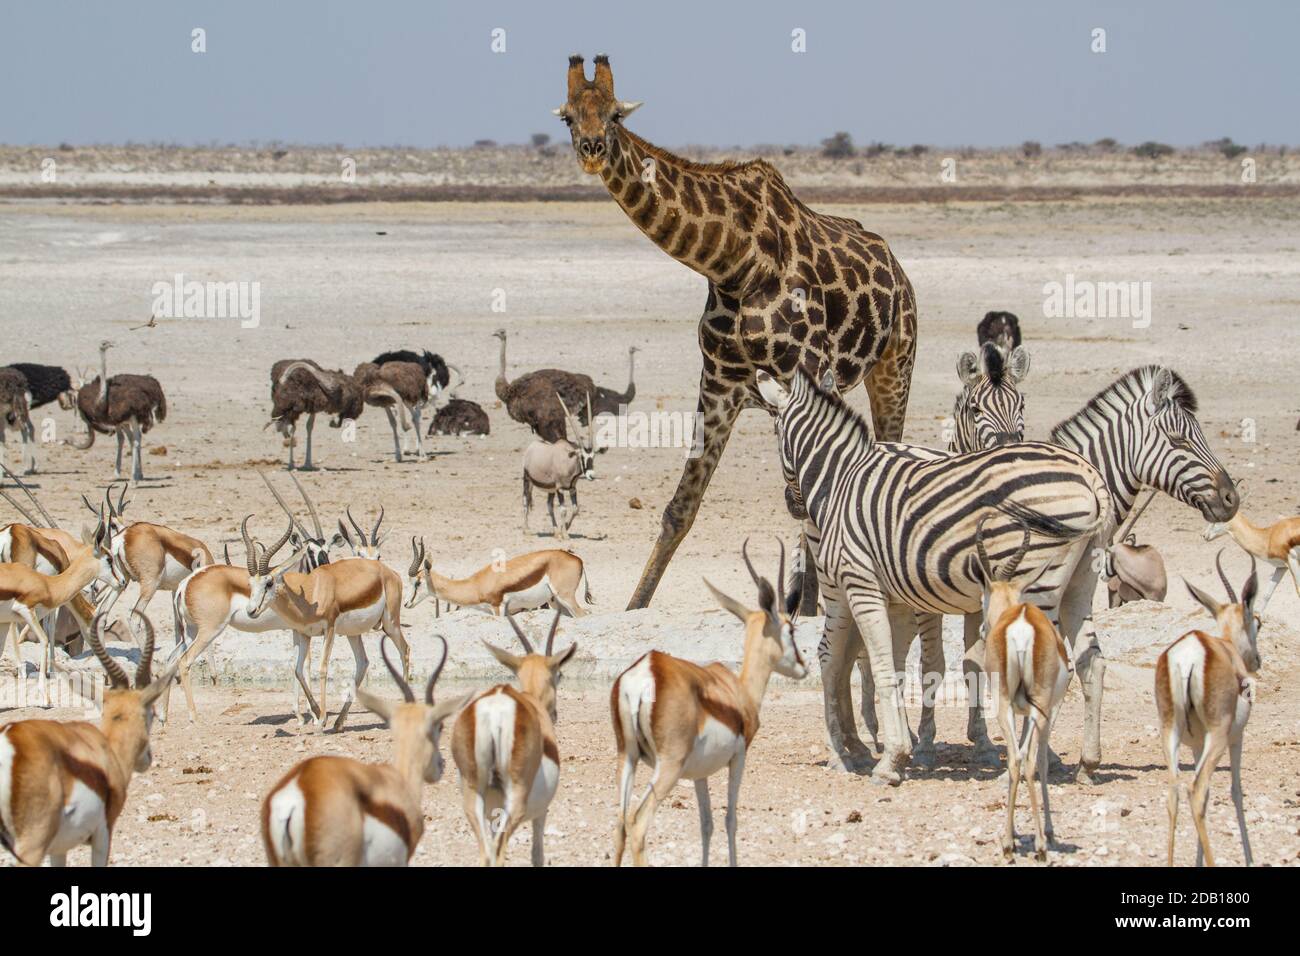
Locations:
column 1077, row 630
column 933, row 667
column 872, row 615
column 986, row 755
column 835, row 653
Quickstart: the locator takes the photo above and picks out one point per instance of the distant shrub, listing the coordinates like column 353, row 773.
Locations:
column 1153, row 150
column 839, row 146
column 876, row 149
column 1072, row 147
column 1227, row 147
column 1031, row 149
column 1106, row 144
column 485, row 144
column 918, row 149
column 540, row 139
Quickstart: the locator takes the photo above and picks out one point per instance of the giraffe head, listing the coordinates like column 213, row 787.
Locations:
column 591, row 112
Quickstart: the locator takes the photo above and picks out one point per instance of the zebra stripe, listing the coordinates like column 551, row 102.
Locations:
column 905, row 526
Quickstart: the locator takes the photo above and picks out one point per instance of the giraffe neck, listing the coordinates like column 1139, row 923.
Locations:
column 686, row 209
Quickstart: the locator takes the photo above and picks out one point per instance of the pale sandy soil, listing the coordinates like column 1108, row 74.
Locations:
column 581, row 284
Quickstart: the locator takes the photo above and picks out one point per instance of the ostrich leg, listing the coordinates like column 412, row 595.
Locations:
column 121, row 438
column 719, row 404
column 306, row 458
column 137, row 452
column 397, row 441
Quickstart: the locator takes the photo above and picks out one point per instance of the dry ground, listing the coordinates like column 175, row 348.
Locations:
column 580, row 284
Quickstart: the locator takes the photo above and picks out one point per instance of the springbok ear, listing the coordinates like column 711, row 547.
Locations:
column 1203, row 599
column 160, row 683
column 378, row 705
column 505, row 657
column 1162, row 390
column 1018, row 364
column 771, row 391
column 968, row 368
column 795, row 594
column 557, row 661
column 728, row 603
column 1250, row 589
column 343, row 534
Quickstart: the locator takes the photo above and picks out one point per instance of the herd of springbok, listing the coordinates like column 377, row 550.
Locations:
column 64, row 784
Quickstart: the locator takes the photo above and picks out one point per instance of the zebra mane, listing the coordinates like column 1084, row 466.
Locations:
column 1124, row 391
column 995, row 364
column 839, row 409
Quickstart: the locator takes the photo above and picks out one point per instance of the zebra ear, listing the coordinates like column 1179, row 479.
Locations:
column 968, row 368
column 1162, row 390
column 771, row 391
column 828, row 383
column 1018, row 365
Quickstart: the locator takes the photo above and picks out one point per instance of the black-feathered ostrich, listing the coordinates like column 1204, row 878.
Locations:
column 1000, row 328
column 15, row 413
column 436, row 371
column 301, row 387
column 530, row 398
column 125, row 405
column 458, row 416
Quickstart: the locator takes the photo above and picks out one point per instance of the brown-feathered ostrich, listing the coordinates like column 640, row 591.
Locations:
column 530, row 398
column 458, row 416
column 125, row 405
column 606, row 401
column 301, row 387
column 15, row 413
column 398, row 388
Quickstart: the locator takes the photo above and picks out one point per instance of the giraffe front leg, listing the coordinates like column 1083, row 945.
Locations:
column 719, row 404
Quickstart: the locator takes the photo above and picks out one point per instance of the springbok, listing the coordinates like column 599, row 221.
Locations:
column 1028, row 669
column 336, row 811
column 27, row 596
column 1204, row 691
column 524, row 582
column 689, row 721
column 350, row 598
column 1277, row 545
column 363, row 544
column 504, row 746
column 315, row 545
column 555, row 467
column 64, row 784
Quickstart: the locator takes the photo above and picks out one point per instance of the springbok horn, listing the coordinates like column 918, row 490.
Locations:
column 285, row 506
column 591, row 422
column 116, row 676
column 1010, row 567
column 550, row 637
column 374, row 532
column 417, row 557
column 577, row 76
column 407, row 694
column 27, row 515
column 28, row 492
column 528, row 648
column 360, row 534
column 437, row 671
column 121, row 499
column 780, row 571
column 1218, row 563
column 744, row 552
column 144, row 670
column 980, row 552
column 249, row 550
column 311, row 508
column 265, row 565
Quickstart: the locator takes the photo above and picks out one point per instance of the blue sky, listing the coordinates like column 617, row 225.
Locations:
column 391, row 72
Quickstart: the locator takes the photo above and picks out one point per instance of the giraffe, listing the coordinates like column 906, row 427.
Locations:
column 788, row 287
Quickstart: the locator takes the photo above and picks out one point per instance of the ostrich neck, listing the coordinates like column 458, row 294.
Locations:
column 631, row 370
column 709, row 238
column 502, row 383
column 103, row 376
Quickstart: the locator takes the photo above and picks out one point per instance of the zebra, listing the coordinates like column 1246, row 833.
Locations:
column 1141, row 430
column 989, row 410
column 894, row 533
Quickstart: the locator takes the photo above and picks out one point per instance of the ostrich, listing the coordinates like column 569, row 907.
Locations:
column 125, row 405
column 458, row 416
column 47, row 383
column 15, row 413
column 301, row 387
column 606, row 401
column 435, row 369
column 530, row 398
column 397, row 387
column 1000, row 328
